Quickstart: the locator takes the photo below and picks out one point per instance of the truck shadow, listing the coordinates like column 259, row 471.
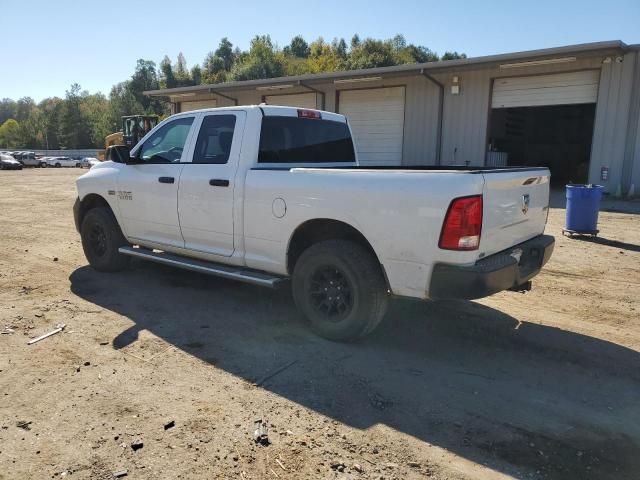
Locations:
column 516, row 396
column 632, row 247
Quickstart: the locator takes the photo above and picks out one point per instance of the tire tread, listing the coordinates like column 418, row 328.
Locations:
column 374, row 301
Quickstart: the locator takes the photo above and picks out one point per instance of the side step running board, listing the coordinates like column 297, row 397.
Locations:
column 210, row 268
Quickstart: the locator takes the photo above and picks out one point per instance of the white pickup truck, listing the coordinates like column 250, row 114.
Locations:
column 267, row 194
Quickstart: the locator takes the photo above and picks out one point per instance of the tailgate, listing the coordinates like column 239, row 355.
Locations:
column 515, row 207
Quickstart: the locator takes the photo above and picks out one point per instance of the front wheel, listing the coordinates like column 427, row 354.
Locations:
column 58, row 165
column 339, row 287
column 101, row 238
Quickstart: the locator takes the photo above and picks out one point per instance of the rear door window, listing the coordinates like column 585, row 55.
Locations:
column 214, row 139
column 304, row 140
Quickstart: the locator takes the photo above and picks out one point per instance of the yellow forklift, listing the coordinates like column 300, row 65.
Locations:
column 134, row 127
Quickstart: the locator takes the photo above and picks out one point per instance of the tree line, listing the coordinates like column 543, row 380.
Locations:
column 82, row 119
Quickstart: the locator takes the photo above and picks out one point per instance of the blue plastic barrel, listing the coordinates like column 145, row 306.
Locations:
column 583, row 204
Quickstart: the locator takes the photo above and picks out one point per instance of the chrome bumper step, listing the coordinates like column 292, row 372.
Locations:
column 210, row 268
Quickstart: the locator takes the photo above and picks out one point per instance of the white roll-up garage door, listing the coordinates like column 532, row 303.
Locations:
column 197, row 105
column 300, row 100
column 539, row 90
column 376, row 116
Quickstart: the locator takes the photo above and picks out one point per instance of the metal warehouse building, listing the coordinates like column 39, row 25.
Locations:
column 575, row 109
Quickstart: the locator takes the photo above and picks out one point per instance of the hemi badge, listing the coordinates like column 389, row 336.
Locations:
column 111, row 192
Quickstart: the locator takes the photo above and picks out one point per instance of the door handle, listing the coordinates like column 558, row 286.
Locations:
column 218, row 182
column 166, row 179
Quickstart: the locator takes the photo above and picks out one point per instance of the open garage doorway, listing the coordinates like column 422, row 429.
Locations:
column 558, row 137
column 544, row 120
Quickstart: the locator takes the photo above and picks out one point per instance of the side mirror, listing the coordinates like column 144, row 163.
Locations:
column 118, row 154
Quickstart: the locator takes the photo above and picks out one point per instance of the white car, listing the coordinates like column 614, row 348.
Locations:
column 63, row 162
column 89, row 162
column 266, row 195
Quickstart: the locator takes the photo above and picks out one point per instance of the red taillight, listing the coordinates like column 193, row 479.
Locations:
column 463, row 224
column 309, row 114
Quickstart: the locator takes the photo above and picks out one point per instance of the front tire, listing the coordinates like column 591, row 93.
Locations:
column 101, row 239
column 339, row 287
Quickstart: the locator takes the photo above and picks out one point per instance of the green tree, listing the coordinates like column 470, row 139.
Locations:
column 51, row 109
column 218, row 64
column 24, row 106
column 355, row 41
column 75, row 131
column 196, row 74
column 144, row 78
column 262, row 61
column 33, row 129
column 167, row 78
column 341, row 48
column 213, row 70
column 371, row 53
column 8, row 109
column 96, row 110
column 297, row 48
column 225, row 52
column 122, row 102
column 324, row 57
column 453, row 56
column 181, row 72
column 10, row 134
column 419, row 54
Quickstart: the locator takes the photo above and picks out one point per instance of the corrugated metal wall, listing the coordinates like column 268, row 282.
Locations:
column 420, row 121
column 464, row 133
column 611, row 124
column 631, row 166
column 421, row 111
column 466, row 115
column 616, row 132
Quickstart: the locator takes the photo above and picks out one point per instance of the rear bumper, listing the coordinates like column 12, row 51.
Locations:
column 493, row 274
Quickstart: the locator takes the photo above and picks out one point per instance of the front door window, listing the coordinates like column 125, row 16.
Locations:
column 166, row 144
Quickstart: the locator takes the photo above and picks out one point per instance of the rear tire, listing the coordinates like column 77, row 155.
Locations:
column 58, row 165
column 339, row 287
column 101, row 239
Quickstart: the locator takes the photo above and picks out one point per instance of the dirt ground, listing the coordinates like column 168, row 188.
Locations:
column 538, row 385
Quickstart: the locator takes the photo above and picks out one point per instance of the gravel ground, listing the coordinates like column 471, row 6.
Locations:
column 538, row 385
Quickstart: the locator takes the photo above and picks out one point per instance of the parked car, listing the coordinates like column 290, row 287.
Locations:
column 28, row 159
column 89, row 162
column 7, row 162
column 267, row 194
column 63, row 162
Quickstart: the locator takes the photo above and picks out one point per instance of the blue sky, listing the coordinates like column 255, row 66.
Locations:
column 48, row 45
